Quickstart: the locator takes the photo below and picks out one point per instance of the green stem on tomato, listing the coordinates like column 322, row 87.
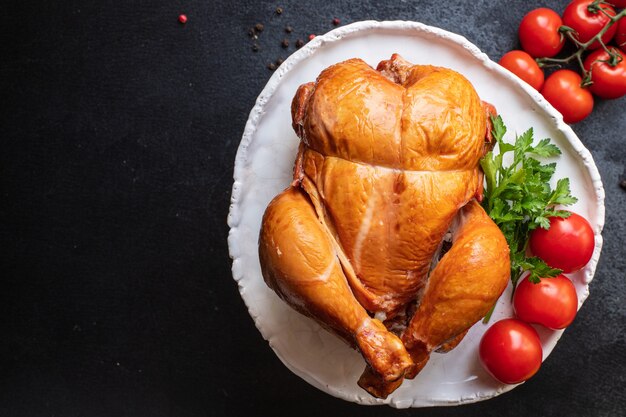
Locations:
column 603, row 45
column 582, row 47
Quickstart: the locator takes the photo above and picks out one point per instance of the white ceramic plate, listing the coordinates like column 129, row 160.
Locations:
column 263, row 168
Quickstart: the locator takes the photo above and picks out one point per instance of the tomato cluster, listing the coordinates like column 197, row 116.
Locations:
column 510, row 350
column 590, row 25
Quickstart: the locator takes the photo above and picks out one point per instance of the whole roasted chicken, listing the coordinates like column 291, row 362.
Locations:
column 387, row 171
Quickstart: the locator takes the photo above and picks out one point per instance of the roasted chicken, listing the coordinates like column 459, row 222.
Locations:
column 388, row 167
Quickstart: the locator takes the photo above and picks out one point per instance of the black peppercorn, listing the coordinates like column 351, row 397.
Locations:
column 288, row 29
column 271, row 66
column 251, row 32
column 259, row 27
column 279, row 61
column 622, row 184
column 285, row 43
column 255, row 48
column 279, row 10
column 299, row 43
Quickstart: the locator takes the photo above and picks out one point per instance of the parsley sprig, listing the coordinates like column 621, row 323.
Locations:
column 519, row 198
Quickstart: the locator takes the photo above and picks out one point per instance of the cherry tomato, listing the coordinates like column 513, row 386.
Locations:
column 608, row 81
column 539, row 33
column 568, row 243
column 552, row 302
column 620, row 35
column 510, row 351
column 587, row 24
column 562, row 89
column 524, row 66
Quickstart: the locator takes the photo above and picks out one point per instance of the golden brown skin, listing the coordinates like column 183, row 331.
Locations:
column 458, row 293
column 300, row 262
column 461, row 289
column 387, row 164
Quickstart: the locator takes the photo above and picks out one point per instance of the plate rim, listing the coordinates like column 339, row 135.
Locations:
column 336, row 35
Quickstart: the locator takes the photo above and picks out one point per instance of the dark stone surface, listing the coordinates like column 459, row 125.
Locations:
column 119, row 132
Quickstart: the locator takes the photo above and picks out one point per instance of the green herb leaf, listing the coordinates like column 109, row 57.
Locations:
column 562, row 194
column 489, row 167
column 545, row 148
column 519, row 197
column 499, row 129
column 539, row 269
column 522, row 144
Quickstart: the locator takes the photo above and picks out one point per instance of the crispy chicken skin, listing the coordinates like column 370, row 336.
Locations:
column 387, row 165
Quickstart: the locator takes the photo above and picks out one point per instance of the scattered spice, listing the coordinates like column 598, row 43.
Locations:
column 622, row 184
column 182, row 18
column 336, row 21
column 254, row 34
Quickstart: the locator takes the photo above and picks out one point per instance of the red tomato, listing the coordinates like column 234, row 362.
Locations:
column 524, row 66
column 620, row 35
column 510, row 351
column 608, row 81
column 552, row 302
column 562, row 89
column 539, row 33
column 568, row 243
column 587, row 24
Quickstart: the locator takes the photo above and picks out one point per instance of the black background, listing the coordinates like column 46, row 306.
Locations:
column 119, row 131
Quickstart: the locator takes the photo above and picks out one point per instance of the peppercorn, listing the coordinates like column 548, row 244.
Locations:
column 255, row 48
column 259, row 27
column 271, row 66
column 336, row 21
column 279, row 10
column 622, row 184
column 299, row 43
column 285, row 43
column 251, row 32
column 288, row 29
column 279, row 61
